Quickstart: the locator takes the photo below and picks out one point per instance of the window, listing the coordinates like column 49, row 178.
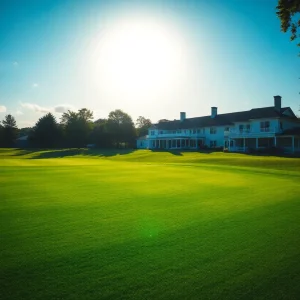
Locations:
column 179, row 131
column 244, row 127
column 265, row 126
column 227, row 144
column 152, row 132
column 161, row 132
column 194, row 131
column 198, row 131
column 213, row 130
column 226, row 129
column 213, row 144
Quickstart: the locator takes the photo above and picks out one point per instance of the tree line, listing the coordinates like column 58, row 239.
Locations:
column 77, row 129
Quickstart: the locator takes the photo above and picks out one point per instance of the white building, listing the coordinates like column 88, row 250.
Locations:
column 257, row 128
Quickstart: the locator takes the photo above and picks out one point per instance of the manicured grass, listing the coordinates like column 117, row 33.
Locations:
column 79, row 224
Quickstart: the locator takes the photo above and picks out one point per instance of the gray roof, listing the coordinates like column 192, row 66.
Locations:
column 225, row 119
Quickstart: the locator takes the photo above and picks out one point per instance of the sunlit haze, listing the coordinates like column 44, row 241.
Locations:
column 148, row 58
column 138, row 56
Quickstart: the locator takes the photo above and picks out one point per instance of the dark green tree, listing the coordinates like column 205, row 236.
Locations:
column 100, row 134
column 1, row 135
column 46, row 132
column 77, row 127
column 121, row 129
column 142, row 125
column 9, row 131
column 287, row 11
column 25, row 131
column 85, row 114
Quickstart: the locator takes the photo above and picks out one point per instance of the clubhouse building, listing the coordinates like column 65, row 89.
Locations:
column 258, row 128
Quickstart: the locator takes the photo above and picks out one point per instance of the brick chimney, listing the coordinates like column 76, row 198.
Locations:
column 182, row 116
column 277, row 103
column 214, row 112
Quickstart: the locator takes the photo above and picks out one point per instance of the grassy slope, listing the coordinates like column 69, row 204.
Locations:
column 148, row 225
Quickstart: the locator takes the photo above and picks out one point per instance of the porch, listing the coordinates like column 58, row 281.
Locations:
column 176, row 143
column 288, row 144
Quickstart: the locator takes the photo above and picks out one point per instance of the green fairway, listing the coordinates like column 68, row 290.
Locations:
column 79, row 224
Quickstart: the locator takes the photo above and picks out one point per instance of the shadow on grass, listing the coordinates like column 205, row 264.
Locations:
column 180, row 152
column 60, row 153
column 210, row 151
column 22, row 152
column 174, row 152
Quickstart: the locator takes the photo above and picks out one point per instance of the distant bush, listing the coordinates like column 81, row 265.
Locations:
column 218, row 149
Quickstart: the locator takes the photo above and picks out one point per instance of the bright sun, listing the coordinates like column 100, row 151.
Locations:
column 138, row 55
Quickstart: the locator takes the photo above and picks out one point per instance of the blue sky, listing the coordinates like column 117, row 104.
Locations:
column 230, row 54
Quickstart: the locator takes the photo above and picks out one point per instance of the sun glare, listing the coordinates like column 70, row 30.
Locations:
column 138, row 55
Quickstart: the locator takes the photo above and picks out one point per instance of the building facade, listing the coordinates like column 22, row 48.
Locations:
column 257, row 128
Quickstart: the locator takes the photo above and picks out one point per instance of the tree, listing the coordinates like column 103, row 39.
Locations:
column 85, row 114
column 286, row 11
column 121, row 128
column 46, row 132
column 67, row 117
column 25, row 131
column 100, row 134
column 77, row 127
column 1, row 135
column 142, row 125
column 9, row 131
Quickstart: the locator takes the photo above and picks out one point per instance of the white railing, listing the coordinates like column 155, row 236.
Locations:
column 250, row 132
column 181, row 134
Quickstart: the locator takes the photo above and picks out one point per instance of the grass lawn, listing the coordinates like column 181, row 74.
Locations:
column 79, row 224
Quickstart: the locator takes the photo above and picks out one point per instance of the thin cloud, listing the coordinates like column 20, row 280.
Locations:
column 35, row 85
column 23, row 124
column 63, row 108
column 2, row 108
column 19, row 113
column 15, row 64
column 37, row 108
